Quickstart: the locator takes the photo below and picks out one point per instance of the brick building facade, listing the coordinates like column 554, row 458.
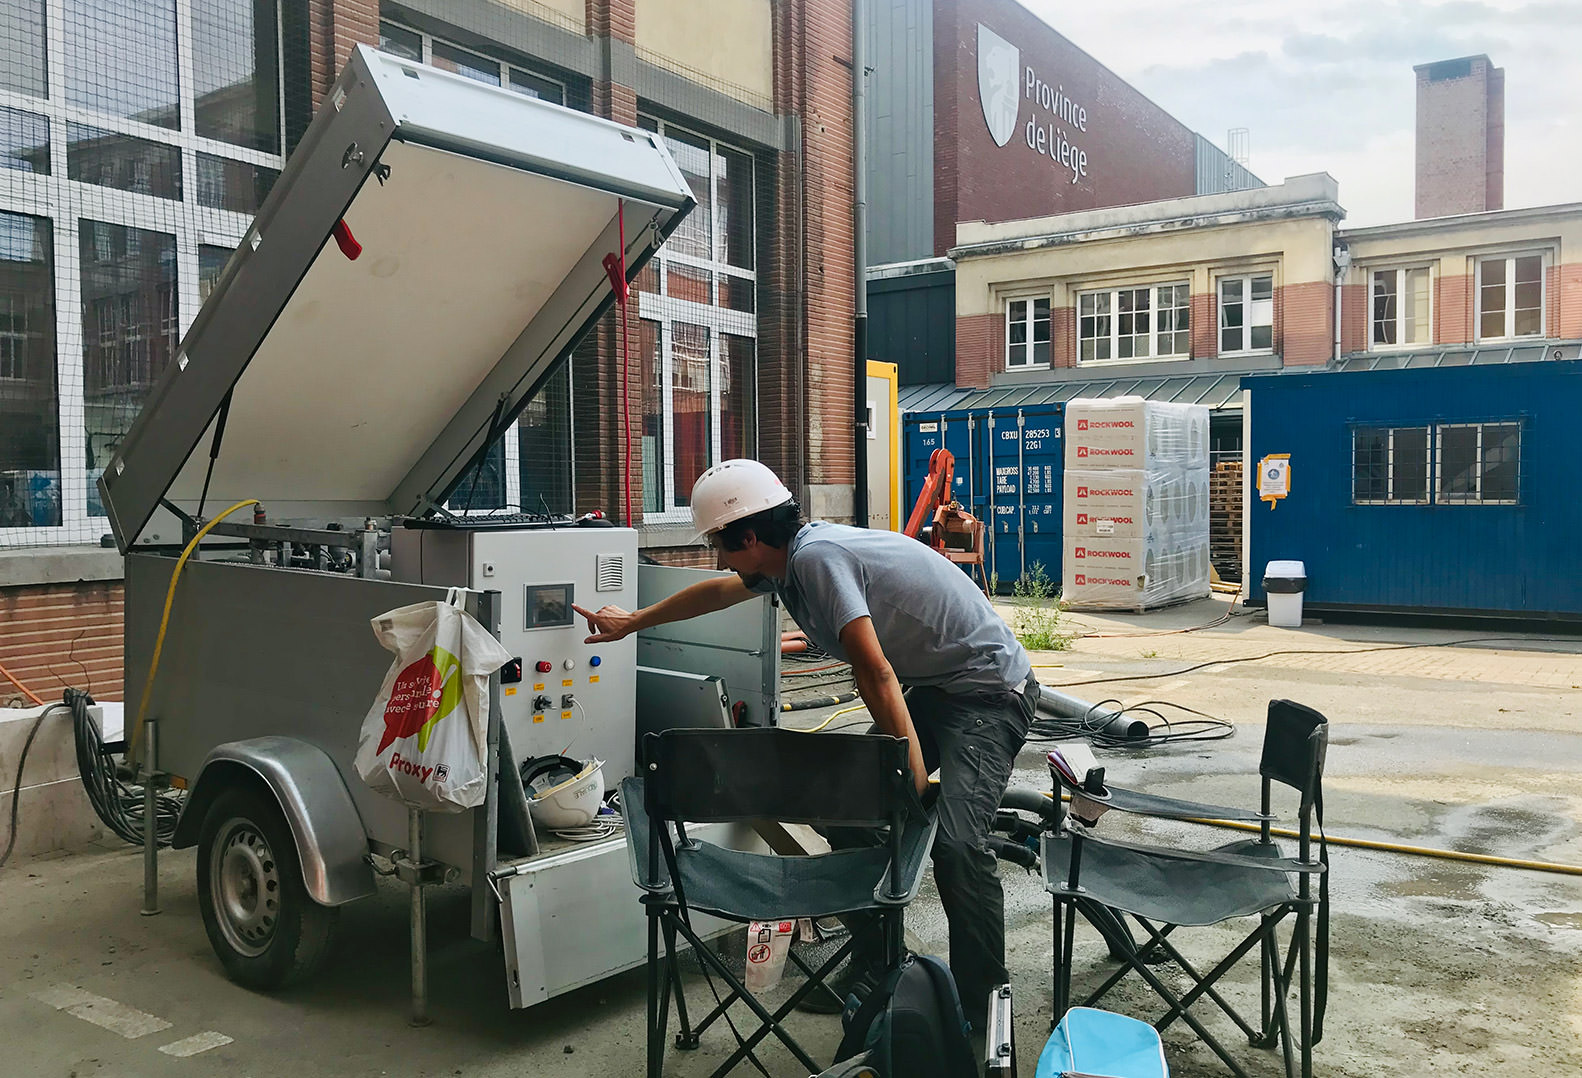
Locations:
column 1010, row 120
column 1143, row 290
column 741, row 332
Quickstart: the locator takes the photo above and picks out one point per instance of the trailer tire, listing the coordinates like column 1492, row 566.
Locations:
column 262, row 923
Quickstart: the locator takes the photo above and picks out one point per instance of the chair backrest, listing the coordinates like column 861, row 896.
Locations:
column 1294, row 742
column 721, row 776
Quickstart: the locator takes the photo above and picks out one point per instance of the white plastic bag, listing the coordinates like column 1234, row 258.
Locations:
column 423, row 740
column 767, row 944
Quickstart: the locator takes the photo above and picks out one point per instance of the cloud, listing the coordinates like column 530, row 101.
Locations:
column 1342, row 99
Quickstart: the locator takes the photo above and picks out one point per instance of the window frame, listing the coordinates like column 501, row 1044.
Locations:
column 1400, row 271
column 505, row 67
column 1434, row 472
column 1246, row 279
column 511, row 439
column 1510, row 258
column 1114, row 314
column 1480, row 468
column 715, row 317
column 1029, row 346
column 1390, row 495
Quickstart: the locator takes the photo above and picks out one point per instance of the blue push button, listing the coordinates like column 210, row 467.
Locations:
column 595, row 661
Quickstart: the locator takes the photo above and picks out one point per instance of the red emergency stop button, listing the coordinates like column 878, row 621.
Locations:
column 544, row 666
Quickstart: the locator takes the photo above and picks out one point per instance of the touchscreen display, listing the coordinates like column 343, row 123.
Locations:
column 548, row 606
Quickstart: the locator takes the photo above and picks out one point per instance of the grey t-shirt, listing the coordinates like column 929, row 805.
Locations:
column 935, row 626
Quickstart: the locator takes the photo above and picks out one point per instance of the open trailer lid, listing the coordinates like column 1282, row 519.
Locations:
column 367, row 384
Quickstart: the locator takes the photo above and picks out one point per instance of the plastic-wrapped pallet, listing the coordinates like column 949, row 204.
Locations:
column 1136, row 504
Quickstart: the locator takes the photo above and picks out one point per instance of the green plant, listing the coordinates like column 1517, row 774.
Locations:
column 1036, row 620
column 1151, row 653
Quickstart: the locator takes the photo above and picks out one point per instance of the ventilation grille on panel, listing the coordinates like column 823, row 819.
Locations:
column 610, row 570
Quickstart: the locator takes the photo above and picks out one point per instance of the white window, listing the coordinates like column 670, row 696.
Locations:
column 1246, row 313
column 1511, row 297
column 411, row 45
column 1400, row 312
column 1027, row 333
column 1143, row 322
column 699, row 327
column 529, row 466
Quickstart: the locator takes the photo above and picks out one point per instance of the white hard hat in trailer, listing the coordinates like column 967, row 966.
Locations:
column 731, row 490
column 563, row 793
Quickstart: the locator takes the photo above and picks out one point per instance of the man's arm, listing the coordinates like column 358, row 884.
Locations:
column 881, row 692
column 704, row 597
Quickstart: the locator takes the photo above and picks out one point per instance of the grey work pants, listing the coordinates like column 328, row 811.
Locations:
column 972, row 739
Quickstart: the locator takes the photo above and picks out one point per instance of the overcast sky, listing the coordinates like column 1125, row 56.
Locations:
column 1329, row 87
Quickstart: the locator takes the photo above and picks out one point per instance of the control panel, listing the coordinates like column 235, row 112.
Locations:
column 558, row 695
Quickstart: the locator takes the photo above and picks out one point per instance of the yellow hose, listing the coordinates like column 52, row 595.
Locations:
column 1394, row 847
column 164, row 620
column 1417, row 851
column 832, row 718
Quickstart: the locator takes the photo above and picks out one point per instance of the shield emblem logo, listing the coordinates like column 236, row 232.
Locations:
column 999, row 65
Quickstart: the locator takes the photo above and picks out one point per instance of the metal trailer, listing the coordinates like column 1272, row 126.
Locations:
column 1427, row 489
column 350, row 395
column 1010, row 466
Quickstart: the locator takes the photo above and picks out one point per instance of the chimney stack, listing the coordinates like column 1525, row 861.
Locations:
column 1460, row 137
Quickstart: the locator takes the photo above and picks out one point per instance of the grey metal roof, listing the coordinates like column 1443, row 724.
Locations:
column 1460, row 355
column 1218, row 391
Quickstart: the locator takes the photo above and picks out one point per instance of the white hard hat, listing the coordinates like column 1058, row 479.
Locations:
column 731, row 490
column 572, row 801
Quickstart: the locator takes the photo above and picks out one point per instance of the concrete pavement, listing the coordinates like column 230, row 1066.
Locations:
column 1438, row 967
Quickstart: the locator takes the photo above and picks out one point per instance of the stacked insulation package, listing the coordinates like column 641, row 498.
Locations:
column 1136, row 504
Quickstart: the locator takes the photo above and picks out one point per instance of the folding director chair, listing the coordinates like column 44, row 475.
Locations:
column 1161, row 889
column 696, row 777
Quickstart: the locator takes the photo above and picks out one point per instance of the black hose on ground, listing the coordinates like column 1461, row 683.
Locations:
column 819, row 701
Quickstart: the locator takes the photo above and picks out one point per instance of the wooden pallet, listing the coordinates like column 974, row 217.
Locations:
column 1225, row 499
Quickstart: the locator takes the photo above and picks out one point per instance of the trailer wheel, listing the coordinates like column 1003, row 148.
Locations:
column 265, row 928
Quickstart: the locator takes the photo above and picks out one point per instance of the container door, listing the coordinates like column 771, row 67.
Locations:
column 922, row 433
column 961, row 439
column 1002, row 441
column 1043, row 465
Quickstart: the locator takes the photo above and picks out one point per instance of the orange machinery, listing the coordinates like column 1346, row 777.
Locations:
column 939, row 520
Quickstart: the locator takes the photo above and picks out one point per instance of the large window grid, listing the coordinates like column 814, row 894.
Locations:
column 1139, row 322
column 1440, row 463
column 697, row 303
column 1400, row 309
column 105, row 112
column 1510, row 297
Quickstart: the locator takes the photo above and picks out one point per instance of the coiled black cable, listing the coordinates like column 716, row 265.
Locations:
column 118, row 805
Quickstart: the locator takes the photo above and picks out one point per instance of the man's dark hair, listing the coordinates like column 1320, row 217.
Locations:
column 774, row 527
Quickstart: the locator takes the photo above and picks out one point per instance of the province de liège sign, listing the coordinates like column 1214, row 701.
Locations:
column 1004, row 82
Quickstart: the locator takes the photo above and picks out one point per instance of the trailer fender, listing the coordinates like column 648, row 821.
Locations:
column 331, row 842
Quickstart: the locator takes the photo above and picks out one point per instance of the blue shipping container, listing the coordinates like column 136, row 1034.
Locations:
column 1009, row 474
column 1428, row 490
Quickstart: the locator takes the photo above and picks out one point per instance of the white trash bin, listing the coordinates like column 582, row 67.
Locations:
column 1283, row 585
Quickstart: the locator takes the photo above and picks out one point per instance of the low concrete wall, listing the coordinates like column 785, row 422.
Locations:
column 54, row 813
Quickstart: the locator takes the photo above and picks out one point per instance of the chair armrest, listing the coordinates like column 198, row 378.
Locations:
column 1171, row 808
column 1166, row 808
column 1218, row 857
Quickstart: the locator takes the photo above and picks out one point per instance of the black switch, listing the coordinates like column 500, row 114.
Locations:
column 511, row 672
